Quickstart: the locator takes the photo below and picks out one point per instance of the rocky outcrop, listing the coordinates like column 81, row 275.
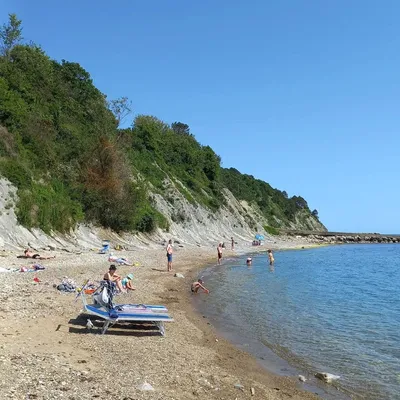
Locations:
column 331, row 237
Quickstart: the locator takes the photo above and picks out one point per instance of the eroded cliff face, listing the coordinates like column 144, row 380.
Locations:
column 197, row 224
column 308, row 222
column 189, row 223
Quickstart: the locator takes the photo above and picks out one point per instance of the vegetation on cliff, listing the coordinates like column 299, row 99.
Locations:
column 61, row 145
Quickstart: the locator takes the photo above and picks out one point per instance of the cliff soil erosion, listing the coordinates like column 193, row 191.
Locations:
column 65, row 161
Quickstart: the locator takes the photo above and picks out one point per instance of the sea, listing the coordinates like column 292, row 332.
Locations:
column 332, row 309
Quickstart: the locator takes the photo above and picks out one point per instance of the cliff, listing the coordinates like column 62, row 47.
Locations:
column 71, row 165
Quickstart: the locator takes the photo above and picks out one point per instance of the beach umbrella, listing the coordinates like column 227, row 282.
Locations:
column 259, row 237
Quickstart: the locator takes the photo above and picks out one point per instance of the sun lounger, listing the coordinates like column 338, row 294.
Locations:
column 142, row 313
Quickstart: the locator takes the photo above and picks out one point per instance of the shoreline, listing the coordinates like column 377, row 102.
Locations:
column 250, row 367
column 269, row 360
column 48, row 352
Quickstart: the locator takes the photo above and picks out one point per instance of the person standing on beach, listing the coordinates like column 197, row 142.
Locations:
column 169, row 255
column 232, row 244
column 271, row 257
column 219, row 251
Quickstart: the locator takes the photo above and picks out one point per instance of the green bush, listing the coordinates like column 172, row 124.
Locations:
column 148, row 219
column 56, row 128
column 271, row 230
column 48, row 207
column 16, row 173
column 161, row 220
column 146, row 223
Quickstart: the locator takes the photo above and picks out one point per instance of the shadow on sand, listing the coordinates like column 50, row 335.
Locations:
column 133, row 329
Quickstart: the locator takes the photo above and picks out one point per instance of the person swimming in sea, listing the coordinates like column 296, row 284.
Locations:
column 249, row 261
column 271, row 257
column 198, row 285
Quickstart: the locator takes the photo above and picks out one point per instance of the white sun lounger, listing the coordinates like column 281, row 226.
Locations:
column 143, row 313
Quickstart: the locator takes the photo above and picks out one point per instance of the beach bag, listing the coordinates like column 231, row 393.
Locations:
column 104, row 296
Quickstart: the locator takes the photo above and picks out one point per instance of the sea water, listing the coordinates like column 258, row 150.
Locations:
column 332, row 309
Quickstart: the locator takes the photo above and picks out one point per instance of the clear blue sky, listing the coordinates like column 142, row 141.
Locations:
column 303, row 94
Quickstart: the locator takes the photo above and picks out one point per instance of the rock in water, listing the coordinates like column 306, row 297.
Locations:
column 302, row 378
column 325, row 376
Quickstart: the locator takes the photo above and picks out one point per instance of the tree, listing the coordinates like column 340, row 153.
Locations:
column 147, row 132
column 180, row 128
column 121, row 108
column 285, row 195
column 211, row 163
column 10, row 34
column 315, row 213
column 300, row 202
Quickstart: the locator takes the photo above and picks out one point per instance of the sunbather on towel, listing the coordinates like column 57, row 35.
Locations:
column 28, row 253
column 119, row 260
column 127, row 282
column 198, row 285
column 113, row 277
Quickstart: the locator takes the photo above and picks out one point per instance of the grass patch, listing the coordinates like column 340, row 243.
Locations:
column 271, row 230
column 48, row 207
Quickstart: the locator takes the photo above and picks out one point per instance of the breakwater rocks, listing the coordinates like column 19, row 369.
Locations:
column 335, row 237
column 355, row 239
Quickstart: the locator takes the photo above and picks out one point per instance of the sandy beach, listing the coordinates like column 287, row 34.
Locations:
column 48, row 353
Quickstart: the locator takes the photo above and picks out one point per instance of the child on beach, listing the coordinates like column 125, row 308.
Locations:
column 169, row 256
column 271, row 257
column 127, row 282
column 198, row 285
column 113, row 277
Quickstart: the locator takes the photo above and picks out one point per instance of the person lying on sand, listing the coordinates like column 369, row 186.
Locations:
column 119, row 260
column 112, row 276
column 127, row 282
column 198, row 285
column 28, row 253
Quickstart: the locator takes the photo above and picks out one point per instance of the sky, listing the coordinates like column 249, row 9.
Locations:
column 303, row 94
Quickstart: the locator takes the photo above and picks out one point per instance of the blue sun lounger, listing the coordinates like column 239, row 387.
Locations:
column 112, row 314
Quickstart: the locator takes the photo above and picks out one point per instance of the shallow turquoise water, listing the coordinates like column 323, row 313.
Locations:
column 333, row 309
